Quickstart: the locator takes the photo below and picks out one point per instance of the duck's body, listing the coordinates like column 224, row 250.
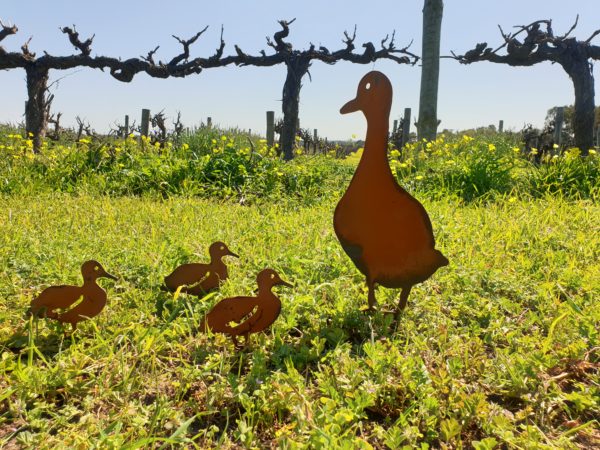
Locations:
column 384, row 230
column 241, row 316
column 52, row 300
column 197, row 278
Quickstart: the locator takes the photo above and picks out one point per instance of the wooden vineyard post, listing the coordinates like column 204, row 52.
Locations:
column 270, row 128
column 406, row 126
column 598, row 136
column 126, row 127
column 501, row 126
column 315, row 138
column 558, row 124
column 209, row 122
column 145, row 122
column 395, row 127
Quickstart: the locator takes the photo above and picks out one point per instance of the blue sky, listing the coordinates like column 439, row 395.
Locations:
column 469, row 96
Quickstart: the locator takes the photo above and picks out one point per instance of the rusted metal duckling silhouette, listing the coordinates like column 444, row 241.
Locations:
column 198, row 279
column 241, row 316
column 384, row 230
column 64, row 296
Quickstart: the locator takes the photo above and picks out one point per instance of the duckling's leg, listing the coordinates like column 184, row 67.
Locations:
column 403, row 299
column 237, row 344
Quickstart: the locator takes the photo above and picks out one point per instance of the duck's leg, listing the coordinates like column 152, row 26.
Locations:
column 371, row 295
column 403, row 299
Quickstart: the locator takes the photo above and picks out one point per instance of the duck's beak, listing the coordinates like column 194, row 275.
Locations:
column 351, row 106
column 230, row 253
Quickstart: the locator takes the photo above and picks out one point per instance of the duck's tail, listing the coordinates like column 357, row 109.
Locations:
column 442, row 260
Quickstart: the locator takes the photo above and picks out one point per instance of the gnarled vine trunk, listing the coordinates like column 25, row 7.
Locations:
column 38, row 105
column 580, row 71
column 297, row 67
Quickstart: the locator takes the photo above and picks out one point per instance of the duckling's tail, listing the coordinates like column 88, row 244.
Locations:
column 40, row 312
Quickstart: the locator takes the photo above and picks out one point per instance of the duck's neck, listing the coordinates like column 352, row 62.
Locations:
column 374, row 156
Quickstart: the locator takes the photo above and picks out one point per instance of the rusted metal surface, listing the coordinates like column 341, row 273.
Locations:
column 383, row 229
column 198, row 279
column 52, row 300
column 241, row 316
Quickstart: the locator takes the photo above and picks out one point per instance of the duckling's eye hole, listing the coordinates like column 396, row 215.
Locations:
column 96, row 268
column 272, row 276
column 368, row 86
column 222, row 248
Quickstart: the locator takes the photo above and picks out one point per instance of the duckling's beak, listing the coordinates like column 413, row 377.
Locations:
column 284, row 283
column 108, row 275
column 351, row 106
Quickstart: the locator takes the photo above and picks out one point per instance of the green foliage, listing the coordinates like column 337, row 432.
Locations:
column 465, row 167
column 208, row 163
column 569, row 176
column 211, row 163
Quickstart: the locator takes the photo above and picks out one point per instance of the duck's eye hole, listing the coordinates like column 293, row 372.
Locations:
column 96, row 268
column 222, row 248
column 272, row 276
column 368, row 86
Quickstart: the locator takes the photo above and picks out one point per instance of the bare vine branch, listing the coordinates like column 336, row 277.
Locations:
column 84, row 47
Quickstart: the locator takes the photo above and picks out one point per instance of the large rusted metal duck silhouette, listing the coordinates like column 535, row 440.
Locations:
column 241, row 316
column 384, row 230
column 62, row 297
column 198, row 279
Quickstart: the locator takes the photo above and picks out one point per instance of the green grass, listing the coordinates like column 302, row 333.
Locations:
column 497, row 350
